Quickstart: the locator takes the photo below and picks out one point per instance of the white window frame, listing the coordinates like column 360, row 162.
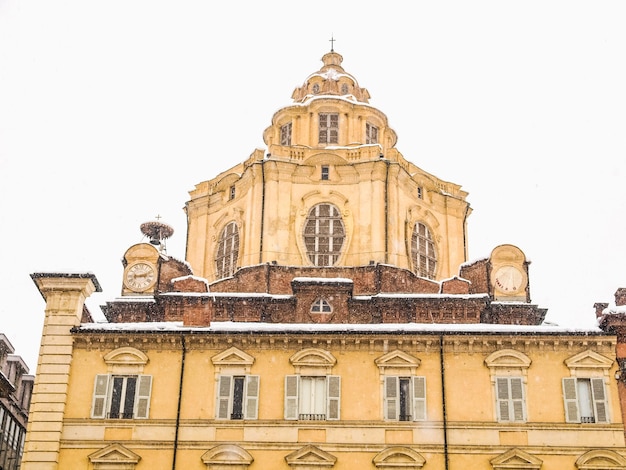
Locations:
column 318, row 228
column 415, row 405
column 103, row 394
column 592, row 368
column 293, row 398
column 573, row 400
column 225, row 397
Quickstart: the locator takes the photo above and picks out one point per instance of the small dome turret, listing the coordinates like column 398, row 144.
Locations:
column 332, row 80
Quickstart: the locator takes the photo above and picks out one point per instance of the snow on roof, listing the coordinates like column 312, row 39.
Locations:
column 381, row 328
column 615, row 310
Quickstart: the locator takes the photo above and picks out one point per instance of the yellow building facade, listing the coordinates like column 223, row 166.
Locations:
column 325, row 317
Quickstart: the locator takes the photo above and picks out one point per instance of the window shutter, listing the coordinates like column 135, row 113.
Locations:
column 142, row 402
column 502, row 398
column 224, row 392
column 570, row 398
column 291, row 397
column 334, row 396
column 599, row 400
column 391, row 398
column 517, row 397
column 252, row 397
column 419, row 398
column 100, row 390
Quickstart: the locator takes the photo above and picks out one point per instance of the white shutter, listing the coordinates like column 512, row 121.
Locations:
column 599, row 401
column 99, row 401
column 517, row 399
column 251, row 398
column 334, row 396
column 570, row 399
column 223, row 396
column 419, row 398
column 142, row 402
column 291, row 397
column 391, row 398
column 502, row 399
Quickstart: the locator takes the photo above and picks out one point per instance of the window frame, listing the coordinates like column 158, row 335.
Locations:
column 414, row 405
column 320, row 230
column 103, row 392
column 423, row 251
column 294, row 400
column 225, row 392
column 328, row 128
column 598, row 400
column 371, row 133
column 512, row 407
column 285, row 134
column 227, row 251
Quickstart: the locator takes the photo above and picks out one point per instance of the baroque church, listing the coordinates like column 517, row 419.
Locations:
column 325, row 317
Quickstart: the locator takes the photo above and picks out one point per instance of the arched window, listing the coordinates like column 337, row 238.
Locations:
column 324, row 235
column 321, row 306
column 423, row 251
column 227, row 251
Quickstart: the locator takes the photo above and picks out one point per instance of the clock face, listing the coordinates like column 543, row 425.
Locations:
column 139, row 277
column 508, row 279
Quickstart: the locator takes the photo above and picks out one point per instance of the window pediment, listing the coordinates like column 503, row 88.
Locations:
column 397, row 363
column 588, row 361
column 227, row 456
column 600, row 459
column 112, row 457
column 399, row 457
column 126, row 360
column 516, row 459
column 508, row 362
column 234, row 360
column 310, row 457
column 313, row 361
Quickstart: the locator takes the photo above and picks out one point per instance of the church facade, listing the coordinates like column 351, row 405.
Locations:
column 325, row 316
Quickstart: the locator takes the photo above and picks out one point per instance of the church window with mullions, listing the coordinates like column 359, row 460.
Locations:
column 324, row 235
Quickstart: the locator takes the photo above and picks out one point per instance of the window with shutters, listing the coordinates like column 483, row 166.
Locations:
column 285, row 134
column 405, row 398
column 585, row 395
column 237, row 397
column 227, row 251
column 315, row 398
column 313, row 393
column 125, row 392
column 328, row 128
column 324, row 234
column 121, row 397
column 510, row 399
column 509, row 374
column 403, row 391
column 585, row 400
column 423, row 253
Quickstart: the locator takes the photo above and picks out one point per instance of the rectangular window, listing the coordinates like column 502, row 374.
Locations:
column 420, row 192
column 232, row 193
column 510, row 399
column 405, row 398
column 237, row 397
column 371, row 134
column 121, row 396
column 312, row 398
column 325, row 173
column 285, row 134
column 329, row 128
column 585, row 400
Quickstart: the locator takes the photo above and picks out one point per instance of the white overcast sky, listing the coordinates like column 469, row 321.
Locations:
column 110, row 112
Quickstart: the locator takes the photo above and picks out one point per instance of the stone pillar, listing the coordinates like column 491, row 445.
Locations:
column 65, row 296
